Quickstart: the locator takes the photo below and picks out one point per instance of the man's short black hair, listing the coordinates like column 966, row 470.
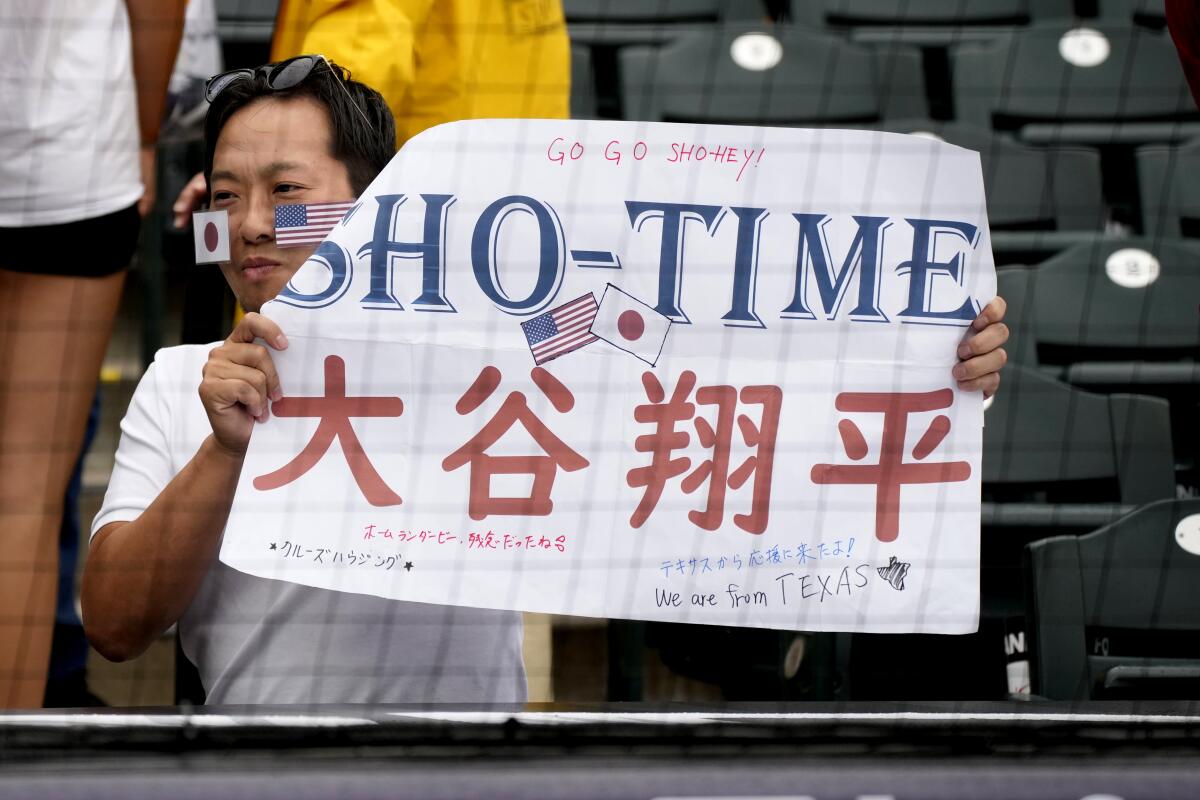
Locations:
column 364, row 149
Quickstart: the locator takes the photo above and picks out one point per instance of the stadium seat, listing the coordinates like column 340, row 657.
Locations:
column 1112, row 301
column 818, row 79
column 1124, row 87
column 1056, row 460
column 1169, row 179
column 603, row 27
column 1083, row 316
column 1115, row 614
column 1058, row 457
column 1039, row 200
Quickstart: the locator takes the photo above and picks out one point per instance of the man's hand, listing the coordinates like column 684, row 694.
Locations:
column 239, row 380
column 982, row 355
column 189, row 200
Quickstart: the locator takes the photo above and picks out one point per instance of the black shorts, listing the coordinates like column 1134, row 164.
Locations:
column 89, row 248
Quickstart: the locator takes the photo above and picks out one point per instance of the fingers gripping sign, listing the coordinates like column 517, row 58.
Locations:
column 982, row 354
column 240, row 381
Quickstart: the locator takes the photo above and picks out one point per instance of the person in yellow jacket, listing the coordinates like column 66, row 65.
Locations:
column 440, row 60
column 433, row 61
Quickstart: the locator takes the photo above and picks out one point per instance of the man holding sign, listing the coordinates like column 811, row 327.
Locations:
column 153, row 556
column 277, row 138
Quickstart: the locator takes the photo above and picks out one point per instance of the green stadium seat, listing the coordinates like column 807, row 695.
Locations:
column 818, row 80
column 1086, row 304
column 1125, row 87
column 1085, row 317
column 1115, row 614
column 1039, row 199
column 1055, row 456
column 1169, row 179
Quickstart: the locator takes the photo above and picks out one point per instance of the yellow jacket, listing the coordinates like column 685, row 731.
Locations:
column 440, row 60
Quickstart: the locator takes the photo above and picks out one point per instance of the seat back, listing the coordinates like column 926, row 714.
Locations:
column 1122, row 601
column 1049, row 436
column 1170, row 189
column 1024, row 77
column 819, row 80
column 1028, row 188
column 1071, row 308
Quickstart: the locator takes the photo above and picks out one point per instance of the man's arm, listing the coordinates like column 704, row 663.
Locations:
column 142, row 575
column 155, row 27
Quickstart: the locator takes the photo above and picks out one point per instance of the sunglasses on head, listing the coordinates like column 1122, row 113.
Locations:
column 280, row 77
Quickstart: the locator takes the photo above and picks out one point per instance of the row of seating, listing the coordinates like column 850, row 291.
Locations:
column 859, row 13
column 1114, row 83
column 1115, row 614
column 1109, row 614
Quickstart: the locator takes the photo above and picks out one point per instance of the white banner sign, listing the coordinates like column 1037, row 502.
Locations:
column 653, row 371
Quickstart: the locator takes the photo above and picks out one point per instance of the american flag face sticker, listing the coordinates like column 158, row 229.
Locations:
column 307, row 225
column 561, row 330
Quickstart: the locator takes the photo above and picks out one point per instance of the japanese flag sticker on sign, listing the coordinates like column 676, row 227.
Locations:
column 630, row 325
column 211, row 229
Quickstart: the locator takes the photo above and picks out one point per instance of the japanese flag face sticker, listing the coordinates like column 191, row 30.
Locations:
column 630, row 325
column 211, row 230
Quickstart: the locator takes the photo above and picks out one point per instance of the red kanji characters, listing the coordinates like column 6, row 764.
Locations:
column 715, row 471
column 892, row 472
column 543, row 468
column 335, row 410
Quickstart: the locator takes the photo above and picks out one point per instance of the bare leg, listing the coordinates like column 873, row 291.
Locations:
column 54, row 331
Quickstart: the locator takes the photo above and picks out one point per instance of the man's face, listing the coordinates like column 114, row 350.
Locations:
column 271, row 152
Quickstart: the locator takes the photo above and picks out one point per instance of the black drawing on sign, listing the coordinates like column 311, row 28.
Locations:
column 894, row 573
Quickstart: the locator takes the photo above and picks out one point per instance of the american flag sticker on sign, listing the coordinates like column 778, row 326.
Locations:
column 562, row 329
column 305, row 225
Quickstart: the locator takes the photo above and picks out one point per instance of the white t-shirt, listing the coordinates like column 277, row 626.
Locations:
column 256, row 640
column 68, row 112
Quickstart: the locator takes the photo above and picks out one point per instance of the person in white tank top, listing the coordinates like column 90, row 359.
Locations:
column 82, row 86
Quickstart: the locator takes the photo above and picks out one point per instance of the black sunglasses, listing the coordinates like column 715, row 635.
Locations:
column 280, row 77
